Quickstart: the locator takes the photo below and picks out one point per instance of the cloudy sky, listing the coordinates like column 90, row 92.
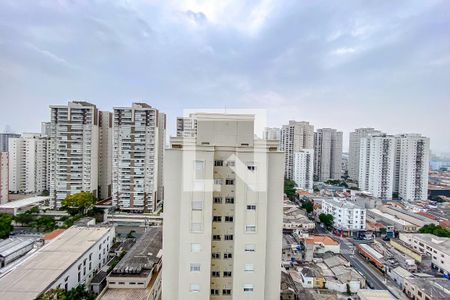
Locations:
column 340, row 64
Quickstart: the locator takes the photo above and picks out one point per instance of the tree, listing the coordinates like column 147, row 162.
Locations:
column 436, row 230
column 79, row 203
column 80, row 293
column 23, row 218
column 349, row 291
column 53, row 294
column 290, row 188
column 46, row 223
column 308, row 206
column 326, row 219
column 5, row 225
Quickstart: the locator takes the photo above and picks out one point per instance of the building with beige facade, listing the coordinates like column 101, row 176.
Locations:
column 4, row 177
column 223, row 212
column 138, row 145
column 327, row 154
column 354, row 148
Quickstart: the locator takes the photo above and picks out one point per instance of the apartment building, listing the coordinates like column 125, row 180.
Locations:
column 28, row 163
column 4, row 140
column 4, row 177
column 427, row 288
column 304, row 169
column 354, row 148
column 224, row 204
column 186, row 127
column 138, row 138
column 74, row 150
column 438, row 248
column 376, row 166
column 327, row 154
column 105, row 155
column 66, row 262
column 411, row 166
column 348, row 217
column 295, row 136
column 272, row 133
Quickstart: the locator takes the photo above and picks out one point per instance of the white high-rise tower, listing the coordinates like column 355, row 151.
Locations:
column 354, row 146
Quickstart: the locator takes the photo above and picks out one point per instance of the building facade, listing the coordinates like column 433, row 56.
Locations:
column 225, row 210
column 295, row 136
column 137, row 151
column 304, row 169
column 105, row 155
column 354, row 148
column 4, row 177
column 376, row 166
column 272, row 133
column 327, row 154
column 346, row 215
column 186, row 127
column 4, row 140
column 411, row 166
column 28, row 163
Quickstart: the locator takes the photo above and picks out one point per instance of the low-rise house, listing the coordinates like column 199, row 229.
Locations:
column 338, row 274
column 322, row 244
column 375, row 295
column 427, row 288
column 138, row 274
column 398, row 275
column 312, row 278
column 295, row 220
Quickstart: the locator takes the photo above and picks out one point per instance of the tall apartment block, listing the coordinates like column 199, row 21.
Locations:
column 376, row 165
column 28, row 163
column 186, row 127
column 327, row 154
column 4, row 177
column 295, row 136
column 224, row 212
column 138, row 145
column 105, row 155
column 354, row 146
column 304, row 169
column 4, row 138
column 411, row 166
column 272, row 133
column 74, row 150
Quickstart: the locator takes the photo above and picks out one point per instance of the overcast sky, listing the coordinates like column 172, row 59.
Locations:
column 339, row 64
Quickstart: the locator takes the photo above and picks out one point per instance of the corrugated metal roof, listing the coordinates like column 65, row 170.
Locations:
column 11, row 245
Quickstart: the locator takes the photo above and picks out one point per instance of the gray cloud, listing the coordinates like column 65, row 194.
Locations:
column 360, row 63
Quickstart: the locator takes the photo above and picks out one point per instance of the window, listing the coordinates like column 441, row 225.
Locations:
column 195, row 288
column 218, row 181
column 251, row 207
column 216, row 237
column 248, row 287
column 226, row 292
column 197, row 205
column 250, row 228
column 196, row 247
column 215, row 274
column 196, row 227
column 229, row 182
column 215, row 255
column 231, row 163
column 214, row 292
column 217, row 200
column 229, row 200
column 228, row 237
column 229, row 218
column 217, row 219
column 249, row 268
column 218, row 163
column 227, row 255
column 250, row 248
column 251, row 168
column 195, row 267
column 227, row 274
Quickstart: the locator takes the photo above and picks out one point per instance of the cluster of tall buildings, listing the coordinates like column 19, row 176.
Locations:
column 382, row 164
column 387, row 165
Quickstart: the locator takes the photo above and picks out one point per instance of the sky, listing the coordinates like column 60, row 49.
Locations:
column 338, row 64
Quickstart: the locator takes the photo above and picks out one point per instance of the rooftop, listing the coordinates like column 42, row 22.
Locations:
column 142, row 257
column 11, row 245
column 390, row 217
column 51, row 235
column 441, row 243
column 321, row 239
column 436, row 288
column 40, row 270
column 24, row 202
column 375, row 295
column 341, row 203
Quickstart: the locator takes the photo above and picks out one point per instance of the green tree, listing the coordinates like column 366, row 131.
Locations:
column 46, row 223
column 79, row 203
column 308, row 206
column 80, row 293
column 290, row 188
column 326, row 219
column 23, row 218
column 5, row 225
column 53, row 294
column 436, row 230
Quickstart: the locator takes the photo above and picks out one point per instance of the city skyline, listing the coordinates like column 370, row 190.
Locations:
column 192, row 55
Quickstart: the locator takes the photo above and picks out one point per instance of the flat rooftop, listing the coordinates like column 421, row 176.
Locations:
column 24, row 202
column 390, row 217
column 39, row 271
column 437, row 288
